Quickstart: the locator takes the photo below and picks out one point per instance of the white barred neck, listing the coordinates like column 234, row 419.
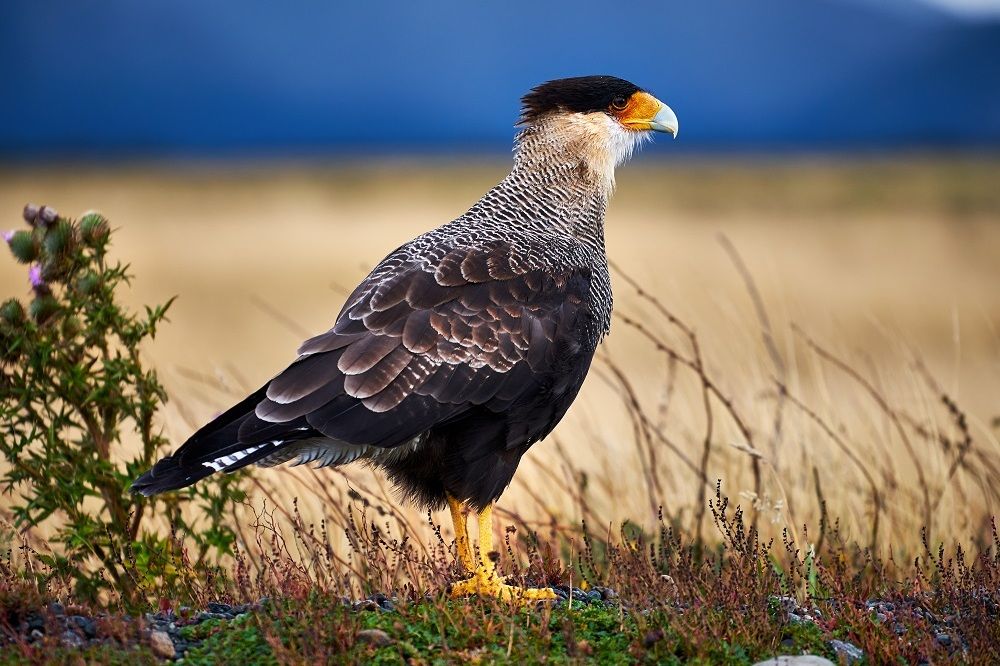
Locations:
column 583, row 146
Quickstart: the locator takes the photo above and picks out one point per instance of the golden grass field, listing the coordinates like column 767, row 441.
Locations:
column 885, row 263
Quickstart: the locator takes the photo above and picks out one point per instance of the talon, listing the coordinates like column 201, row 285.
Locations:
column 485, row 581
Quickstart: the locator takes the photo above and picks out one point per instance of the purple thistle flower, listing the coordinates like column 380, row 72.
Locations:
column 7, row 235
column 35, row 276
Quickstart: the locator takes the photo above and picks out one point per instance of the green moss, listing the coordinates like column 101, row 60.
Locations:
column 806, row 637
column 238, row 641
column 110, row 654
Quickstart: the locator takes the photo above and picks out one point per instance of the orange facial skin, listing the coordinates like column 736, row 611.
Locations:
column 639, row 112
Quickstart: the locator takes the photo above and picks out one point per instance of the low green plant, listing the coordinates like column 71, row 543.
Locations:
column 78, row 419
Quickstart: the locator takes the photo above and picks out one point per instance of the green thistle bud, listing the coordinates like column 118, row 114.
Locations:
column 12, row 312
column 23, row 246
column 59, row 238
column 70, row 328
column 94, row 229
column 43, row 308
column 88, row 283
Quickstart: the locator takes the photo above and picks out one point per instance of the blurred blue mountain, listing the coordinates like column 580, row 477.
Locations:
column 120, row 77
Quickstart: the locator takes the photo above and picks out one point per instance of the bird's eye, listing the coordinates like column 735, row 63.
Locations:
column 619, row 103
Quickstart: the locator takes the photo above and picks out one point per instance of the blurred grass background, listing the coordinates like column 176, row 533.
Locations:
column 259, row 159
column 882, row 260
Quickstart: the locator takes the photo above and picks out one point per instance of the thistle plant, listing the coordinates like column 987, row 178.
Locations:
column 78, row 419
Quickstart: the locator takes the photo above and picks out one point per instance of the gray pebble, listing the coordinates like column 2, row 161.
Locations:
column 852, row 653
column 85, row 624
column 71, row 639
column 796, row 660
column 375, row 637
column 161, row 645
column 607, row 593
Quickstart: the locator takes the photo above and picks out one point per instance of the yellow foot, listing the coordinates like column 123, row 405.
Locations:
column 486, row 583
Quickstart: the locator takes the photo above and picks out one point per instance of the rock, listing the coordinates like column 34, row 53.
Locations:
column 71, row 639
column 796, row 660
column 606, row 593
column 36, row 622
column 787, row 603
column 84, row 624
column 220, row 609
column 57, row 609
column 851, row 653
column 943, row 639
column 375, row 637
column 205, row 616
column 652, row 637
column 161, row 645
column 367, row 605
column 565, row 592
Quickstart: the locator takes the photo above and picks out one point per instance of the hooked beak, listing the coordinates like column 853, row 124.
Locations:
column 665, row 120
column 646, row 113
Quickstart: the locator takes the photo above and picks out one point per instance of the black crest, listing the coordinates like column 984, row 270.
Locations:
column 580, row 94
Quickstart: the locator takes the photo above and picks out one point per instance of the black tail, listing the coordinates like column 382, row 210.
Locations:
column 169, row 474
column 218, row 446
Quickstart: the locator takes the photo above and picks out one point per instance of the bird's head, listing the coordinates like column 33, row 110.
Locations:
column 600, row 119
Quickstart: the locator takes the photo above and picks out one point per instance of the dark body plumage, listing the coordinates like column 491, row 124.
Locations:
column 460, row 350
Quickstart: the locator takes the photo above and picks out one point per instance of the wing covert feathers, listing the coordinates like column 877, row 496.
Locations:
column 418, row 343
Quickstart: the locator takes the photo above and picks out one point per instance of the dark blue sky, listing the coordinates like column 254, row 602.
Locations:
column 120, row 77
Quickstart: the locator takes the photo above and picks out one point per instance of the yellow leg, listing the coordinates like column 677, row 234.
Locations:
column 462, row 544
column 485, row 580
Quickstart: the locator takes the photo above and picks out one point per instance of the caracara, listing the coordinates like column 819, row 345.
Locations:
column 465, row 346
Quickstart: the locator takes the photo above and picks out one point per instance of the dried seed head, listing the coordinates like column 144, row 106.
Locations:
column 30, row 213
column 48, row 215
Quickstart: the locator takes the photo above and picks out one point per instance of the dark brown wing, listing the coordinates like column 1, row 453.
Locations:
column 424, row 343
column 418, row 344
